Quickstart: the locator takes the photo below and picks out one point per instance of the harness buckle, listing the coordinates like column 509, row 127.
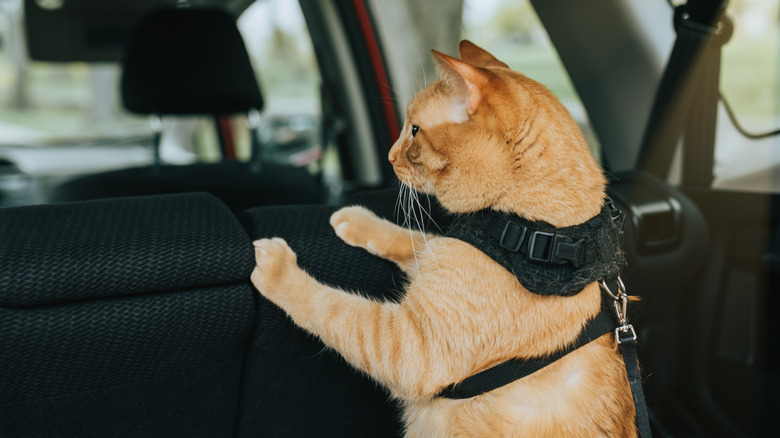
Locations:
column 624, row 332
column 556, row 248
column 627, row 329
column 621, row 288
column 512, row 237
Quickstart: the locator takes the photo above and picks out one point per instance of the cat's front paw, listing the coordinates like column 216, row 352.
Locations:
column 277, row 266
column 356, row 226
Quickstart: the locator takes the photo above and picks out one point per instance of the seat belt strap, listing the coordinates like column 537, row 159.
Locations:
column 699, row 134
column 696, row 53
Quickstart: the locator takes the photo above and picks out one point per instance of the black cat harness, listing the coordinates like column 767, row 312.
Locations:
column 556, row 261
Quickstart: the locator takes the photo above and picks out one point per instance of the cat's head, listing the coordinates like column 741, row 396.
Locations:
column 484, row 136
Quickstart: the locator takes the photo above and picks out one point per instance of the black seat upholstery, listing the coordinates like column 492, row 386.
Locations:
column 184, row 61
column 301, row 388
column 238, row 185
column 134, row 317
column 123, row 317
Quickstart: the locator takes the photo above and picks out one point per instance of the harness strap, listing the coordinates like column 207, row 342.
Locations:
column 603, row 323
column 555, row 261
column 511, row 370
column 547, row 260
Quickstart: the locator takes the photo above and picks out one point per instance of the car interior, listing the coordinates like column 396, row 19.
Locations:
column 126, row 308
column 158, row 80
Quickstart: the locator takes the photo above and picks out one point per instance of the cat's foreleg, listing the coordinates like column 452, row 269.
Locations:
column 383, row 339
column 358, row 226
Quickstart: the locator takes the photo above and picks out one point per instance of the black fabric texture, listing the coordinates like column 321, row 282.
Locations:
column 197, row 403
column 600, row 254
column 51, row 351
column 238, row 185
column 123, row 318
column 62, row 253
column 321, row 253
column 188, row 61
column 293, row 385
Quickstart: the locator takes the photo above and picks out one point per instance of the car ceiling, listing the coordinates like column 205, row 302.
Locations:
column 95, row 30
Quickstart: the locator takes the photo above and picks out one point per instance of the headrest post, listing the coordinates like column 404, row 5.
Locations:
column 156, row 121
column 253, row 123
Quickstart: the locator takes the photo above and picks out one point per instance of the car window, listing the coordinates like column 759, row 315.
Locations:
column 511, row 31
column 750, row 64
column 745, row 158
column 60, row 119
column 282, row 54
column 64, row 104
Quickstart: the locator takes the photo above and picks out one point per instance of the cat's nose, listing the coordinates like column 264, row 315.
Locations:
column 394, row 151
column 391, row 156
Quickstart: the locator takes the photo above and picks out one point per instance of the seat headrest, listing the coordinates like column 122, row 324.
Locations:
column 188, row 61
column 60, row 253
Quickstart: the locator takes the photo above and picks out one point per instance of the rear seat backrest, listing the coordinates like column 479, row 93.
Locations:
column 123, row 317
column 294, row 386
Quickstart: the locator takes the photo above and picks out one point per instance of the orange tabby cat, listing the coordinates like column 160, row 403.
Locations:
column 482, row 136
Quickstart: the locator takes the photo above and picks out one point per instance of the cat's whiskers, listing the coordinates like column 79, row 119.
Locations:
column 415, row 201
column 421, row 220
column 397, row 208
column 393, row 93
column 418, row 178
column 403, row 198
column 406, row 198
column 407, row 219
column 425, row 79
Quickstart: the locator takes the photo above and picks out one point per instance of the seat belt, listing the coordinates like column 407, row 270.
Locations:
column 686, row 101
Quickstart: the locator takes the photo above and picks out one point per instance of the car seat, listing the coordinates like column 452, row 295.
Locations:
column 183, row 61
column 123, row 317
column 294, row 386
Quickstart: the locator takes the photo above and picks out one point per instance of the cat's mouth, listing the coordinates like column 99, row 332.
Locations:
column 412, row 179
column 417, row 183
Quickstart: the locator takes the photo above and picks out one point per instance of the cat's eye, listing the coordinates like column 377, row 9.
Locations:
column 415, row 130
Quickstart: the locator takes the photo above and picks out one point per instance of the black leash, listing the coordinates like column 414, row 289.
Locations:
column 628, row 348
column 625, row 335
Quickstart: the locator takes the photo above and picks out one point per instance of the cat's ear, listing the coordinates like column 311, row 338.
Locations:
column 466, row 78
column 477, row 56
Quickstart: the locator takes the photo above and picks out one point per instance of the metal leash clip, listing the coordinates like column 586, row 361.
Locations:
column 620, row 303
